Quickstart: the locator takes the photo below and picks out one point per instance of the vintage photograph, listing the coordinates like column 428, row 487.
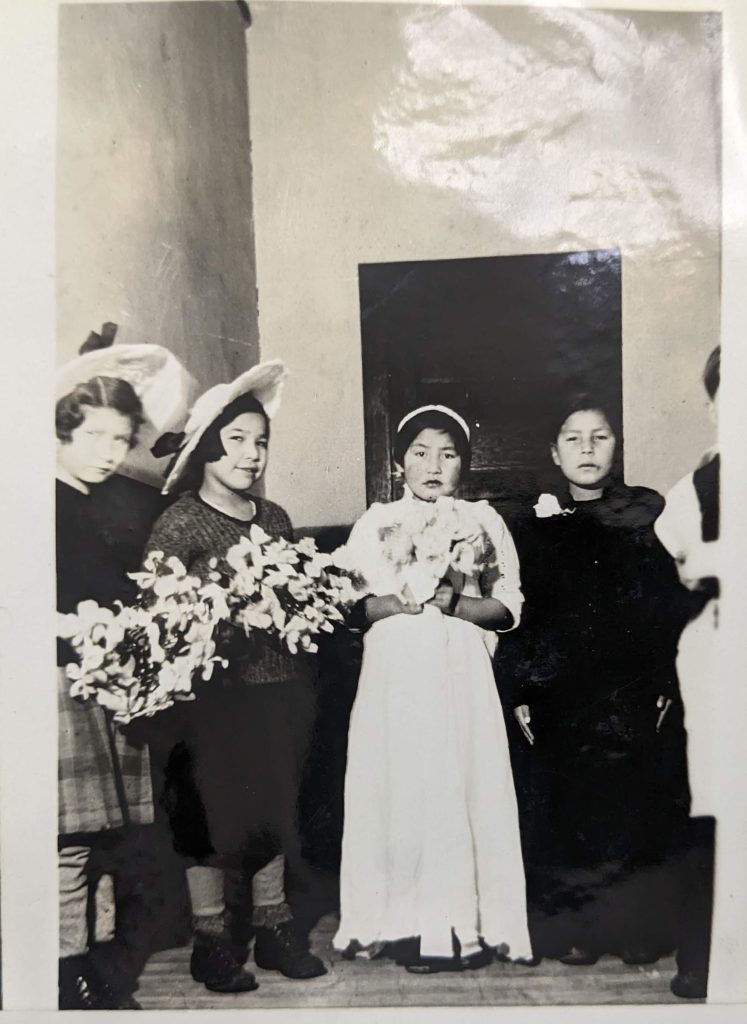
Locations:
column 387, row 504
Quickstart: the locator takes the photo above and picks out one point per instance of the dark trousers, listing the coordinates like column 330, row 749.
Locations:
column 696, row 900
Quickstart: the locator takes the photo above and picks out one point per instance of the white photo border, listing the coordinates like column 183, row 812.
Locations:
column 28, row 875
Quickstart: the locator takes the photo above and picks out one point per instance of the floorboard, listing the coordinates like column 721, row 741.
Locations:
column 166, row 984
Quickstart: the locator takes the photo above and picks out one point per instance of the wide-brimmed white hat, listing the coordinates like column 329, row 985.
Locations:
column 156, row 375
column 264, row 381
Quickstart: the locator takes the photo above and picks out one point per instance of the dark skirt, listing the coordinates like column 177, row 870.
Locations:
column 608, row 787
column 232, row 773
column 603, row 799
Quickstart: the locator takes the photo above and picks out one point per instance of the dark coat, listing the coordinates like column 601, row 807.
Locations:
column 602, row 794
column 104, row 778
column 594, row 653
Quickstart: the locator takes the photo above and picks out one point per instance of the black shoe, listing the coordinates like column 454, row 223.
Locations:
column 483, row 957
column 214, row 963
column 280, row 948
column 80, row 988
column 76, row 988
column 687, row 985
column 452, row 964
column 404, row 951
column 116, row 973
column 436, row 965
column 577, row 957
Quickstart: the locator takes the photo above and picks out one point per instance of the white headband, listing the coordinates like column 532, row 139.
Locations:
column 436, row 408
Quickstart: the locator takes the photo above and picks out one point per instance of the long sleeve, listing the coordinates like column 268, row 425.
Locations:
column 679, row 530
column 678, row 526
column 196, row 533
column 364, row 554
column 502, row 580
column 170, row 536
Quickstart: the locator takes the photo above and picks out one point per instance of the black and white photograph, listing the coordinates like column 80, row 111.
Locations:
column 389, row 517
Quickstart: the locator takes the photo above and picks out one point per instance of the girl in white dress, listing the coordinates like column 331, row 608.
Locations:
column 431, row 847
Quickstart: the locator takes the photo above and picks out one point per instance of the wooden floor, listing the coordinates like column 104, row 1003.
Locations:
column 166, row 984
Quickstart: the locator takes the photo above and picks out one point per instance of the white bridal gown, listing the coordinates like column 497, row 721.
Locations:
column 431, row 837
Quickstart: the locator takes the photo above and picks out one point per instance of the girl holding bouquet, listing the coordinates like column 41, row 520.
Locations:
column 431, row 850
column 102, row 520
column 237, row 752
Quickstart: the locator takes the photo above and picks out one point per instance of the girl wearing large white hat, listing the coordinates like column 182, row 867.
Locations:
column 106, row 397
column 238, row 749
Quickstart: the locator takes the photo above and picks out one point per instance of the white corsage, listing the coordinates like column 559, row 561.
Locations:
column 548, row 505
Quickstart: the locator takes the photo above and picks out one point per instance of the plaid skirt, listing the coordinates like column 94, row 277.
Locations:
column 104, row 780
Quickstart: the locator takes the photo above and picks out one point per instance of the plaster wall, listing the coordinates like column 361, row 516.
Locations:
column 397, row 132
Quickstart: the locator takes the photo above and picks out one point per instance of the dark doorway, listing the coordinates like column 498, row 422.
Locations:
column 498, row 339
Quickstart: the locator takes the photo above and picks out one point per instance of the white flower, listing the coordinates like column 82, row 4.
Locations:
column 214, row 604
column 299, row 589
column 147, row 578
column 175, row 676
column 342, row 558
column 315, row 566
column 160, row 576
column 281, row 552
column 257, row 535
column 279, row 577
column 463, row 557
column 245, row 554
column 307, row 546
column 548, row 505
column 115, row 702
column 255, row 616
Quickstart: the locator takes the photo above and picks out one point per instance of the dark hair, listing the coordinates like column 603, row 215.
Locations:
column 434, row 420
column 582, row 401
column 210, row 447
column 98, row 393
column 712, row 372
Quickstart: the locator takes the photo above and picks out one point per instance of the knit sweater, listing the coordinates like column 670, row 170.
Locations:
column 195, row 532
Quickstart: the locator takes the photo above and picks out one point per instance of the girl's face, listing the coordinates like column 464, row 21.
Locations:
column 432, row 465
column 97, row 447
column 245, row 443
column 584, row 451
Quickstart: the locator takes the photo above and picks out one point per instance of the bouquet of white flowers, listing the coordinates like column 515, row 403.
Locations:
column 138, row 660
column 428, row 539
column 290, row 591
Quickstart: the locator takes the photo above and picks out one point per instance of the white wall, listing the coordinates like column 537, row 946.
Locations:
column 154, row 214
column 403, row 132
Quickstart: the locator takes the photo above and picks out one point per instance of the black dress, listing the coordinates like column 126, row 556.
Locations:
column 603, row 794
column 104, row 793
column 104, row 779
